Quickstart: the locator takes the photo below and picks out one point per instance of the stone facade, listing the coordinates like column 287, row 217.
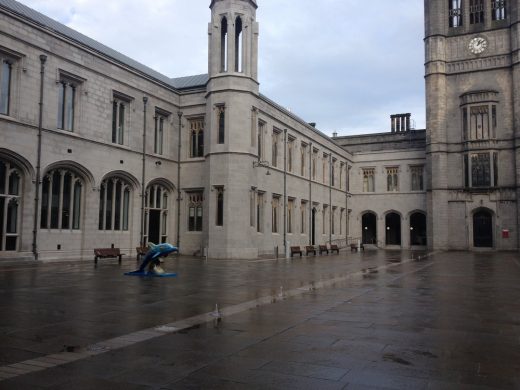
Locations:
column 119, row 155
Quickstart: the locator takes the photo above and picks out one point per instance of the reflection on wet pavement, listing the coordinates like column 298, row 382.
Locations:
column 355, row 321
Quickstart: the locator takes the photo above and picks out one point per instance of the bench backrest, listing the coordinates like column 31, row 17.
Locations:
column 107, row 252
column 323, row 247
column 310, row 248
column 333, row 247
column 295, row 249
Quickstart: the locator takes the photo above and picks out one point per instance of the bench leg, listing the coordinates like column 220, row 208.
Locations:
column 95, row 259
column 120, row 258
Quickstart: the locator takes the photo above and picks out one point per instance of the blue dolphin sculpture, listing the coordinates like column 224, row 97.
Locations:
column 152, row 260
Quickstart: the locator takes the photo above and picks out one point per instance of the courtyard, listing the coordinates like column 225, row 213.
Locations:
column 373, row 320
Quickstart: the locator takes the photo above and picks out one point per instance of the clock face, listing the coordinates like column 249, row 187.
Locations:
column 478, row 45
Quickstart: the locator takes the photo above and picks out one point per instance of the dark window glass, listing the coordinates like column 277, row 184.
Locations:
column 480, row 170
column 220, row 209
column 221, row 126
column 476, row 11
column 5, row 87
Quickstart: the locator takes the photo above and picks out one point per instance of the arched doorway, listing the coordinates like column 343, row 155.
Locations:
column 156, row 214
column 418, row 235
column 10, row 200
column 483, row 229
column 393, row 229
column 369, row 226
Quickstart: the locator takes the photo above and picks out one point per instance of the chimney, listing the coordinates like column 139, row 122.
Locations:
column 335, row 134
column 313, row 124
column 400, row 123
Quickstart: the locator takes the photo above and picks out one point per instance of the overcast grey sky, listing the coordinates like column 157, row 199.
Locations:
column 345, row 64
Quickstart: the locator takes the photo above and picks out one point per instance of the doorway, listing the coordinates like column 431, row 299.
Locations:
column 483, row 229
column 393, row 229
column 154, row 226
column 369, row 226
column 418, row 229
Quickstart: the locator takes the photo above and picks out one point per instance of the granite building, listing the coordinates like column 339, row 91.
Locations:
column 98, row 150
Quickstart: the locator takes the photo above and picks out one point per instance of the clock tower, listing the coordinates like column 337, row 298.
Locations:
column 473, row 123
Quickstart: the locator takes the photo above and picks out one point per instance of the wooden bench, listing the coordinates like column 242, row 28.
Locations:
column 141, row 251
column 354, row 247
column 295, row 250
column 310, row 249
column 334, row 248
column 323, row 248
column 106, row 253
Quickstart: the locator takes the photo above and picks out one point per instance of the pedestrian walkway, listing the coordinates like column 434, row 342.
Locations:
column 368, row 320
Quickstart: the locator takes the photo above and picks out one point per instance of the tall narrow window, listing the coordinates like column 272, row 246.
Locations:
column 119, row 119
column 341, row 219
column 260, row 212
column 303, row 217
column 325, row 168
column 290, row 150
column 66, row 105
column 238, row 45
column 195, row 211
column 156, row 213
column 417, row 178
column 220, row 207
column 392, row 179
column 61, row 200
column 196, row 137
column 303, row 159
column 333, row 220
column 261, row 129
column 159, row 133
column 10, row 210
column 274, row 150
column 455, row 13
column 252, row 207
column 369, row 180
column 498, row 9
column 221, row 116
column 114, row 204
column 341, row 170
column 224, row 46
column 314, row 164
column 476, row 11
column 324, row 219
column 480, row 170
column 275, row 213
column 333, row 173
column 5, row 86
column 290, row 213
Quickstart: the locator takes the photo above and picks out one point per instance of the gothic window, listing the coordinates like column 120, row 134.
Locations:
column 62, row 193
column 290, row 149
column 238, row 45
column 455, row 13
column 341, row 214
column 224, row 45
column 261, row 129
column 325, row 168
column 341, row 169
column 160, row 118
column 156, row 213
column 6, row 74
column 392, row 179
column 220, row 207
column 275, row 213
column 476, row 11
column 252, row 207
column 303, row 217
column 120, row 112
column 333, row 220
column 333, row 173
column 479, row 122
column 290, row 212
column 314, row 164
column 195, row 211
column 417, row 178
column 369, row 180
column 260, row 212
column 221, row 116
column 480, row 170
column 324, row 219
column 10, row 196
column 274, row 149
column 303, row 159
column 498, row 9
column 197, row 138
column 348, row 178
column 66, row 104
column 114, row 204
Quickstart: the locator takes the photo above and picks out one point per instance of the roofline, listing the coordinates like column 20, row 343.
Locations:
column 253, row 3
column 379, row 134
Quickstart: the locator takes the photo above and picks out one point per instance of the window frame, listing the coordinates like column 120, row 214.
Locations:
column 119, row 130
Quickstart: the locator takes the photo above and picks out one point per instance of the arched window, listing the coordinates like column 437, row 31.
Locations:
column 197, row 138
column 238, row 45
column 224, row 45
column 61, row 200
column 221, row 124
column 10, row 194
column 418, row 229
column 114, row 204
column 369, row 226
column 393, row 229
column 156, row 214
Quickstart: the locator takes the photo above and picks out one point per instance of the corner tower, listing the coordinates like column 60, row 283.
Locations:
column 473, row 123
column 233, row 41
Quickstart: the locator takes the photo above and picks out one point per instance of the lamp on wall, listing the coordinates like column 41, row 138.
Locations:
column 158, row 163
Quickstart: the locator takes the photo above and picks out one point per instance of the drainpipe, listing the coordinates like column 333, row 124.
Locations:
column 331, row 210
column 143, row 179
column 285, row 192
column 179, row 182
column 310, row 194
column 43, row 59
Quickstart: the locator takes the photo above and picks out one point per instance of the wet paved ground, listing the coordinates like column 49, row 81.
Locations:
column 355, row 321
